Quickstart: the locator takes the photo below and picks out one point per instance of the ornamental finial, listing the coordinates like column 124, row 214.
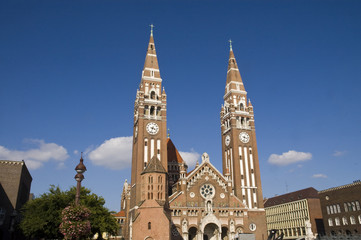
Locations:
column 230, row 45
column 151, row 29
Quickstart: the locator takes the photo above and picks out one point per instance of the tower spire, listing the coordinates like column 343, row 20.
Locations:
column 151, row 29
column 234, row 79
column 151, row 67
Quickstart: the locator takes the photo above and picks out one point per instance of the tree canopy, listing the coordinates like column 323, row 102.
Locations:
column 42, row 216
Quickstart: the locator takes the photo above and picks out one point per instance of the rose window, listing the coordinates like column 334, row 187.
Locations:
column 207, row 191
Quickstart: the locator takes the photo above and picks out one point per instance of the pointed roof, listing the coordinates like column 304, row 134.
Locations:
column 154, row 166
column 173, row 154
column 233, row 74
column 151, row 60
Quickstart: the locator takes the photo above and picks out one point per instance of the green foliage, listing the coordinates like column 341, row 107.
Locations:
column 42, row 216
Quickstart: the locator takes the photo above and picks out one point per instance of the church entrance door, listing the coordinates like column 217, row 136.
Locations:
column 224, row 233
column 192, row 233
column 211, row 232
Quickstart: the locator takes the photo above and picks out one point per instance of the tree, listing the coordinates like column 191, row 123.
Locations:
column 42, row 216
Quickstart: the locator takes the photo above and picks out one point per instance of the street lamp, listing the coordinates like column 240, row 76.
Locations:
column 80, row 169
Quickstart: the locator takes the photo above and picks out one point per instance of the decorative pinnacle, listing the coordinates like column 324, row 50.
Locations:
column 151, row 29
column 168, row 135
column 230, row 45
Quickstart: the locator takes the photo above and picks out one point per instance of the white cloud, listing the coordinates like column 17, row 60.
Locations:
column 289, row 158
column 339, row 153
column 36, row 157
column 115, row 153
column 190, row 158
column 76, row 152
column 319, row 175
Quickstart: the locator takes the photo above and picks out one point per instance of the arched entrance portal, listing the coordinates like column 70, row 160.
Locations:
column 211, row 232
column 192, row 233
column 224, row 233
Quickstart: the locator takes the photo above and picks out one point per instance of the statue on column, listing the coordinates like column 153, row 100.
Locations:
column 209, row 207
column 184, row 226
column 309, row 234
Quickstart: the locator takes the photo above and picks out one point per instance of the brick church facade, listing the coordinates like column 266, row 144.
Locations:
column 167, row 201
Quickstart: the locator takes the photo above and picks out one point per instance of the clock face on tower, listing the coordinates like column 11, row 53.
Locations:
column 227, row 140
column 252, row 227
column 152, row 128
column 244, row 137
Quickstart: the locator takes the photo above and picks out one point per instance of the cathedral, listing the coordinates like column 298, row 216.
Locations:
column 166, row 200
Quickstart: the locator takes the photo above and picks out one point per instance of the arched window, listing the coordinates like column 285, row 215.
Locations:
column 344, row 221
column 241, row 107
column 146, row 110
column 330, row 222
column 149, row 225
column 152, row 95
column 337, row 221
column 359, row 219
column 352, row 220
column 152, row 111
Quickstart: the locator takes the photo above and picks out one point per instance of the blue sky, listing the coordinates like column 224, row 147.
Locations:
column 69, row 71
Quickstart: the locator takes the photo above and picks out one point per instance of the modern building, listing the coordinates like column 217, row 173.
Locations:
column 341, row 209
column 164, row 199
column 15, row 183
column 292, row 213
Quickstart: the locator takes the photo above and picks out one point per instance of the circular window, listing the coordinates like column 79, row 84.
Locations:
column 192, row 195
column 207, row 191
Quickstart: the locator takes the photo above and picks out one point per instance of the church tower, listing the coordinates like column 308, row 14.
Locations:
column 239, row 147
column 149, row 198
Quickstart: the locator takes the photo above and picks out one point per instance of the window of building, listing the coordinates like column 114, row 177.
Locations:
column 352, row 220
column 346, row 208
column 353, row 205
column 330, row 222
column 337, row 221
column 349, row 206
column 149, row 225
column 338, row 208
column 334, row 208
column 241, row 107
column 359, row 219
column 358, row 205
column 344, row 221
column 328, row 209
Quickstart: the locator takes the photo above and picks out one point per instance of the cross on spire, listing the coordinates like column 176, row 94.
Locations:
column 151, row 29
column 230, row 45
